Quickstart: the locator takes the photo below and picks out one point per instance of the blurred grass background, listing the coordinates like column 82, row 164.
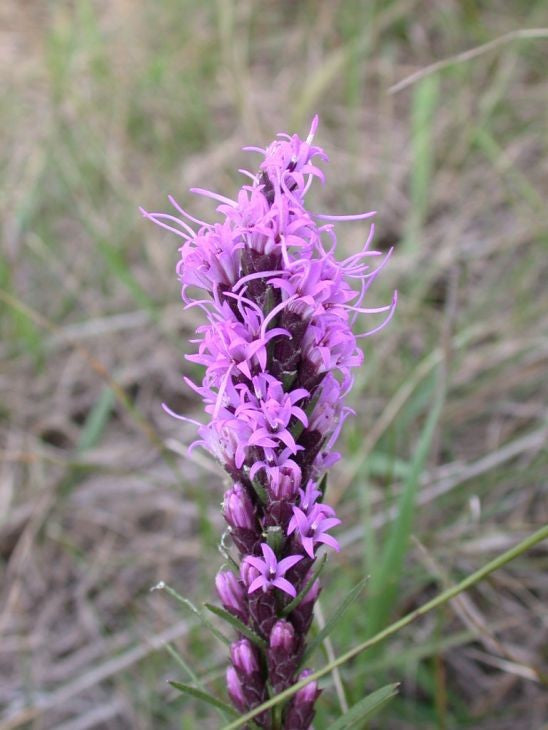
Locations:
column 106, row 106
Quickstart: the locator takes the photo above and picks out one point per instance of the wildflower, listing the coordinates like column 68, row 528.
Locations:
column 278, row 351
column 312, row 528
column 271, row 572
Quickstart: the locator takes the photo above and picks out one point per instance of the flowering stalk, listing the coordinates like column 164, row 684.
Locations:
column 278, row 351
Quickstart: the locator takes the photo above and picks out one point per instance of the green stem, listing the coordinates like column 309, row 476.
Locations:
column 439, row 600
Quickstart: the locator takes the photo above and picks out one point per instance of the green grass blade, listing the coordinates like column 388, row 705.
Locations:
column 193, row 676
column 188, row 604
column 96, row 420
column 366, row 708
column 335, row 618
column 386, row 575
column 425, row 100
column 199, row 694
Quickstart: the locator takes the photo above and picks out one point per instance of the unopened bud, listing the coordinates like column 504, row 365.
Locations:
column 301, row 710
column 232, row 594
column 238, row 508
column 244, row 658
column 282, row 637
column 235, row 691
column 283, row 655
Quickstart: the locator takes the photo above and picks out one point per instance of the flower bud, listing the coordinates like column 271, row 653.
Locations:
column 232, row 594
column 235, row 691
column 310, row 692
column 282, row 637
column 283, row 655
column 248, row 573
column 244, row 658
column 238, row 509
column 300, row 712
column 239, row 512
column 284, row 481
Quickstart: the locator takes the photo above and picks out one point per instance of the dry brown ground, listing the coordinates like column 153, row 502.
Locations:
column 106, row 106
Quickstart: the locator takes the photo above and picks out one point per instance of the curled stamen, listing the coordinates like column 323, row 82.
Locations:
column 184, row 213
column 243, row 300
column 157, row 218
column 213, row 196
column 252, row 277
column 355, row 217
column 384, row 322
column 274, row 312
column 179, row 417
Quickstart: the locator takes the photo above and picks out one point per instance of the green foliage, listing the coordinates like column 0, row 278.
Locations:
column 96, row 420
column 386, row 573
column 199, row 694
column 335, row 619
column 366, row 708
column 236, row 624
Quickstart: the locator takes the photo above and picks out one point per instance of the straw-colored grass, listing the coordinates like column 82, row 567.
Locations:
column 108, row 106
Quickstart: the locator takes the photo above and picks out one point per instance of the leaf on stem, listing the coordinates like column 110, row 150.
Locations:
column 199, row 694
column 335, row 618
column 366, row 708
column 238, row 625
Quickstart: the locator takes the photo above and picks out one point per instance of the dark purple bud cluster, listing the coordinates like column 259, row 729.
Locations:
column 278, row 350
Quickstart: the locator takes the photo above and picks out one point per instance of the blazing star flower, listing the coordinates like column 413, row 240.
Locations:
column 312, row 528
column 272, row 572
column 278, row 351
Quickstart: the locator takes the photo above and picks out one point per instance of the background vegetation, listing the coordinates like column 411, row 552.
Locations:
column 106, row 106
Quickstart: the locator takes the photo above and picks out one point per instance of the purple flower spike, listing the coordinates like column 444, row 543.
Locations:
column 278, row 349
column 312, row 528
column 271, row 572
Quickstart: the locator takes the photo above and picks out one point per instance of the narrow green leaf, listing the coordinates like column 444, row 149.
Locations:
column 366, row 708
column 238, row 625
column 203, row 619
column 335, row 618
column 299, row 597
column 204, row 697
column 182, row 663
column 386, row 575
column 96, row 420
column 425, row 100
column 193, row 676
